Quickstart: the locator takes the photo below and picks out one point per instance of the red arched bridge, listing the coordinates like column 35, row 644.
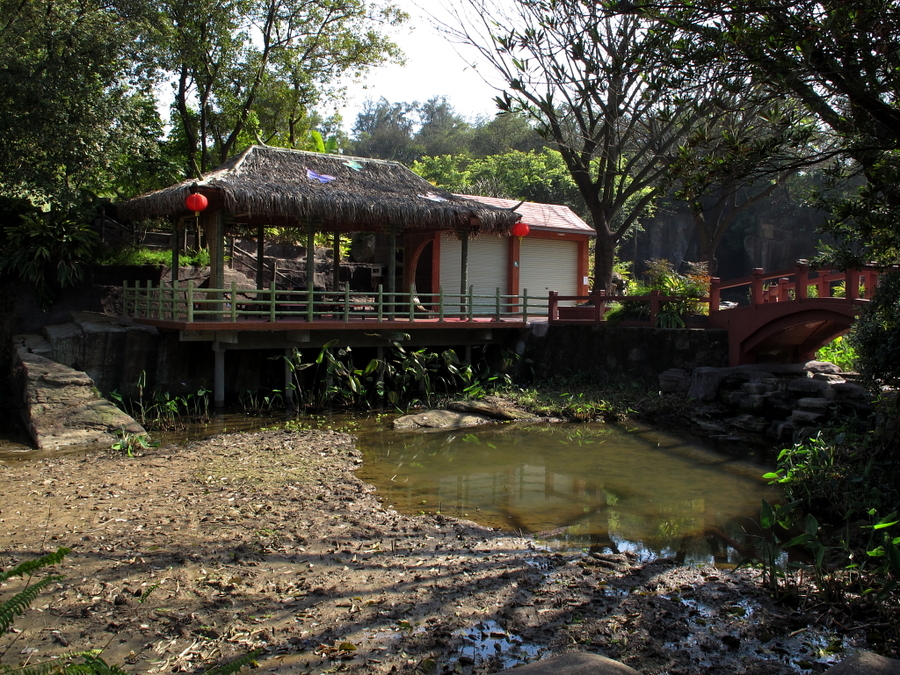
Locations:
column 773, row 317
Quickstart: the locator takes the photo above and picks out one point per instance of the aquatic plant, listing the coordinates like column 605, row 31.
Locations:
column 402, row 378
column 162, row 410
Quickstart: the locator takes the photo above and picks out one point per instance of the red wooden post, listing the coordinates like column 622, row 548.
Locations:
column 715, row 294
column 851, row 284
column 599, row 305
column 552, row 309
column 802, row 277
column 654, row 305
column 822, row 285
column 756, row 287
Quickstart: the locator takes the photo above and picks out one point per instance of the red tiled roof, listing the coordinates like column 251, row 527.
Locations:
column 546, row 217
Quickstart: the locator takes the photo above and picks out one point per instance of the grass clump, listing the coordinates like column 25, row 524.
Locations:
column 592, row 403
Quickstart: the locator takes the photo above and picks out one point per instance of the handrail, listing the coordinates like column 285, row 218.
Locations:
column 798, row 284
column 270, row 269
column 795, row 284
column 596, row 306
column 188, row 303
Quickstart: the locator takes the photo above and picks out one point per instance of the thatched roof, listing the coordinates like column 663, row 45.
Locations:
column 266, row 185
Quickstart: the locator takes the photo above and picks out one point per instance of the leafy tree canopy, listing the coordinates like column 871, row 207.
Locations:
column 839, row 59
column 75, row 103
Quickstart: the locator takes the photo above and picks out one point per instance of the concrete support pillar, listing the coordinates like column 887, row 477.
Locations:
column 219, row 376
column 288, row 377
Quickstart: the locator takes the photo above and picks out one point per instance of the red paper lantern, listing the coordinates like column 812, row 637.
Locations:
column 196, row 202
column 520, row 229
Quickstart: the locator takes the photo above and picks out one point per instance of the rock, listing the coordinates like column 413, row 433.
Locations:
column 850, row 390
column 756, row 388
column 828, row 377
column 805, row 385
column 490, row 407
column 574, row 664
column 780, row 431
column 866, row 663
column 61, row 407
column 112, row 351
column 750, row 423
column 674, row 381
column 824, row 367
column 440, row 419
column 816, row 405
column 755, row 402
column 801, row 418
column 705, row 383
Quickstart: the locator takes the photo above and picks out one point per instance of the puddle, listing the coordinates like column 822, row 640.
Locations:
column 601, row 487
column 488, row 641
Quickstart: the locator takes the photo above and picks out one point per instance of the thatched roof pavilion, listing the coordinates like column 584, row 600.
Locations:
column 276, row 186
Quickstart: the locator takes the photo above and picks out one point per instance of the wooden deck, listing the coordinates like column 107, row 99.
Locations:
column 329, row 324
column 187, row 308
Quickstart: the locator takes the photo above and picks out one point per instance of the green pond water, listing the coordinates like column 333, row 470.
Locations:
column 599, row 486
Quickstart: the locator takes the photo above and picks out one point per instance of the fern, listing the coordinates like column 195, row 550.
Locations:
column 90, row 661
column 31, row 566
column 22, row 600
column 91, row 664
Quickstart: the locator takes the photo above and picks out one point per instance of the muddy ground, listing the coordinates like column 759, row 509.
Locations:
column 189, row 556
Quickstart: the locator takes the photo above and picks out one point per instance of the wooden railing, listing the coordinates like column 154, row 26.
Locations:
column 187, row 303
column 792, row 285
column 798, row 284
column 594, row 307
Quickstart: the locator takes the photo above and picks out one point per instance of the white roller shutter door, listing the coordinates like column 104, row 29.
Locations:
column 488, row 260
column 548, row 265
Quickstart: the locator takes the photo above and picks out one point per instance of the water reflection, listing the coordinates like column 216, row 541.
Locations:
column 585, row 485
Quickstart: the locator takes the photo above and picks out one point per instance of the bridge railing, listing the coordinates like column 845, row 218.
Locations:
column 648, row 310
column 188, row 303
column 797, row 284
column 790, row 285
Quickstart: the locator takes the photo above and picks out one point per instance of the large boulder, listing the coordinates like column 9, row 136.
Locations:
column 574, row 664
column 61, row 407
column 432, row 420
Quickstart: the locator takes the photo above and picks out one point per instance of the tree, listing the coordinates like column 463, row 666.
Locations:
column 238, row 64
column 441, row 130
column 505, row 132
column 736, row 156
column 593, row 86
column 384, row 130
column 534, row 176
column 75, row 104
column 839, row 59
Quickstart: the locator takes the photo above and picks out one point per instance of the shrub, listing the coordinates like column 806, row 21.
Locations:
column 876, row 336
column 49, row 250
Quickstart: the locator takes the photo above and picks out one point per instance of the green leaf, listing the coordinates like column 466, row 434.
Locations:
column 766, row 516
column 894, row 557
column 811, row 526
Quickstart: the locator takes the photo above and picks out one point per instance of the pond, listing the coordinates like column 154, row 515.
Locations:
column 598, row 486
column 605, row 487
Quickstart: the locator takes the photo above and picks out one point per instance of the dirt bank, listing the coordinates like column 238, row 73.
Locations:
column 191, row 555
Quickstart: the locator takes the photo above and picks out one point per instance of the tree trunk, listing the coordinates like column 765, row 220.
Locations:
column 604, row 259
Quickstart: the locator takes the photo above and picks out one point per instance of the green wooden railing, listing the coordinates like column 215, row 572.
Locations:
column 187, row 303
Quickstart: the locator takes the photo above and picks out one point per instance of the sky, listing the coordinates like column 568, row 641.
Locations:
column 433, row 68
